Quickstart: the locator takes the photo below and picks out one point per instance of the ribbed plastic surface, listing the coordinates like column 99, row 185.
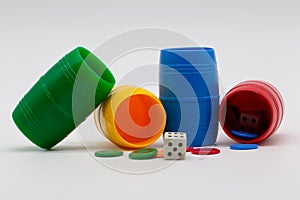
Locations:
column 252, row 106
column 189, row 91
column 62, row 98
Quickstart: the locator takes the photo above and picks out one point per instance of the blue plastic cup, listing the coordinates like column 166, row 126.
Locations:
column 189, row 91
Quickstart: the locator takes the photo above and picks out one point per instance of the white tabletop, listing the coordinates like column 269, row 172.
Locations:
column 257, row 40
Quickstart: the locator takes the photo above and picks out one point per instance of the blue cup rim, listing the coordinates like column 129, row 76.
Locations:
column 188, row 49
column 188, row 56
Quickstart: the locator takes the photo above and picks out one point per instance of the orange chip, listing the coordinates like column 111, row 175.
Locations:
column 160, row 154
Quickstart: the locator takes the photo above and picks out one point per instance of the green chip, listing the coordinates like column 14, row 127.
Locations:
column 108, row 153
column 140, row 154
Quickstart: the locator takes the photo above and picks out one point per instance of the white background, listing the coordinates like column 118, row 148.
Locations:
column 253, row 40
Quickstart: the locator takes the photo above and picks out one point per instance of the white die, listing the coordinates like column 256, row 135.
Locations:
column 174, row 145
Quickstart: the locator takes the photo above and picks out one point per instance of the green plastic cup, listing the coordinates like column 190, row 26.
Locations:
column 62, row 98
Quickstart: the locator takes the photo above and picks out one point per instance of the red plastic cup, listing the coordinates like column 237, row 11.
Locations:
column 253, row 107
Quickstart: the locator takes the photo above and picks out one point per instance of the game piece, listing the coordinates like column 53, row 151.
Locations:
column 189, row 149
column 174, row 145
column 244, row 135
column 249, row 122
column 243, row 146
column 109, row 153
column 141, row 154
column 160, row 154
column 205, row 151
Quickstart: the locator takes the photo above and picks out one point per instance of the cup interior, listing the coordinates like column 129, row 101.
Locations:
column 246, row 111
column 139, row 118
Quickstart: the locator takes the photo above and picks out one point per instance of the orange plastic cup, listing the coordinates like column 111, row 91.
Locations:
column 131, row 117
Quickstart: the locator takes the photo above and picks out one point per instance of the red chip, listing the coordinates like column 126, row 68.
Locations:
column 189, row 149
column 205, row 151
